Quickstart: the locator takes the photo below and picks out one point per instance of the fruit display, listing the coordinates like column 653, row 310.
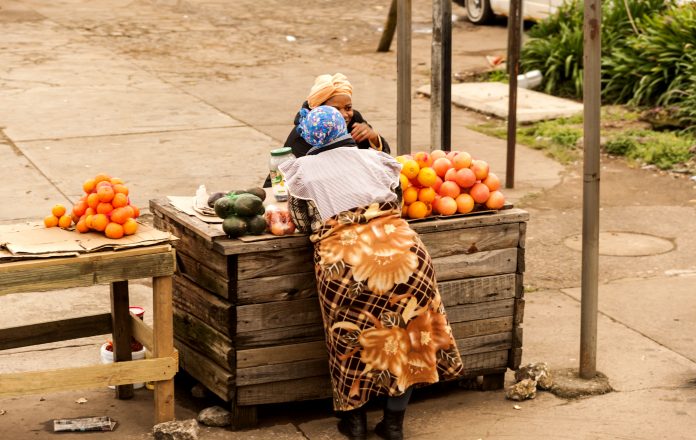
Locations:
column 242, row 211
column 447, row 183
column 104, row 207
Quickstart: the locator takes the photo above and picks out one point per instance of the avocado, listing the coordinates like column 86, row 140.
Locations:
column 247, row 205
column 213, row 197
column 234, row 226
column 256, row 224
column 224, row 207
column 258, row 192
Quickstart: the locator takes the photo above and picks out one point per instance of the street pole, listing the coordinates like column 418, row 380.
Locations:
column 592, row 105
column 514, row 42
column 441, row 77
column 403, row 80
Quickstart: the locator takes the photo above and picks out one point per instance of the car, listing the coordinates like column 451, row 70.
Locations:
column 483, row 11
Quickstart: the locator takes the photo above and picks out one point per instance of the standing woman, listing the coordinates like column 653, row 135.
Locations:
column 384, row 321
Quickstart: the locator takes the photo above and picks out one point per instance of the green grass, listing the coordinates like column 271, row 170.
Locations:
column 623, row 132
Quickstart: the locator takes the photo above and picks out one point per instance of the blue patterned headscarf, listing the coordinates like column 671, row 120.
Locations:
column 321, row 126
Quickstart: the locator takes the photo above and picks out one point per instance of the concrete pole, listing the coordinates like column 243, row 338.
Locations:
column 436, row 59
column 592, row 102
column 446, row 90
column 514, row 42
column 403, row 81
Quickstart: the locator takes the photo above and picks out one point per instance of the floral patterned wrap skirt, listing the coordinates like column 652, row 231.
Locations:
column 386, row 327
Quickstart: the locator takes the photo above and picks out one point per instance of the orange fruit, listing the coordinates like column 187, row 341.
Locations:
column 79, row 208
column 401, row 159
column 101, row 177
column 480, row 168
column 119, row 200
column 58, row 210
column 120, row 215
column 115, row 181
column 496, row 200
column 492, row 182
column 136, row 211
column 113, row 230
column 120, row 188
column 65, row 221
column 93, row 200
column 438, row 182
column 99, row 222
column 50, row 221
column 105, row 193
column 450, row 189
column 104, row 208
column 479, row 192
column 423, row 159
column 410, row 168
column 417, row 210
column 103, row 183
column 130, row 227
column 427, row 176
column 89, row 185
column 410, row 195
column 462, row 160
column 446, row 206
column 88, row 220
column 90, row 211
column 441, row 166
column 465, row 178
column 465, row 203
column 426, row 195
column 81, row 225
column 451, row 175
column 436, row 154
column 404, row 182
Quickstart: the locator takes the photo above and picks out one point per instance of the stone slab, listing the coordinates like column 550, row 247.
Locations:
column 155, row 165
column 492, row 98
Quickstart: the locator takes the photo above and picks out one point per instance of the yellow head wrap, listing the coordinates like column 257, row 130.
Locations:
column 327, row 86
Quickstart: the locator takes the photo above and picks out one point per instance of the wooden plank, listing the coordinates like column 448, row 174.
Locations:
column 279, row 336
column 210, row 342
column 484, row 310
column 515, row 358
column 485, row 343
column 215, row 378
column 161, row 208
column 194, row 245
column 276, row 288
column 475, row 290
column 86, row 269
column 203, row 276
column 481, row 327
column 192, row 299
column 318, row 387
column 519, row 285
column 471, row 240
column 121, row 331
column 263, row 264
column 282, row 372
column 234, row 246
column 517, row 337
column 523, row 235
column 282, row 354
column 520, row 260
column 519, row 312
column 278, row 315
column 62, row 330
column 486, row 263
column 476, row 363
column 513, row 215
column 163, row 344
column 71, row 379
column 142, row 332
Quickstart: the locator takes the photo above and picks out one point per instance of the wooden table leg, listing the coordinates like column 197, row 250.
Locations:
column 121, row 331
column 163, row 345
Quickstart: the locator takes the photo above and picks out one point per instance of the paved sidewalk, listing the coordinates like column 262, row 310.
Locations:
column 172, row 94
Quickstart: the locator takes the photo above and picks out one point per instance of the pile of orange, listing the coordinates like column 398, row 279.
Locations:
column 105, row 207
column 446, row 183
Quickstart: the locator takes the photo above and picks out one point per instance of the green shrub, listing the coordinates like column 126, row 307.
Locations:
column 620, row 146
column 662, row 149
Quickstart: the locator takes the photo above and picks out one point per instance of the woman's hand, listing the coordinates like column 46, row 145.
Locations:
column 362, row 131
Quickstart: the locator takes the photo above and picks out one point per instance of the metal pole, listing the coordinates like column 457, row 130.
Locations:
column 446, row 88
column 592, row 102
column 403, row 81
column 436, row 60
column 514, row 37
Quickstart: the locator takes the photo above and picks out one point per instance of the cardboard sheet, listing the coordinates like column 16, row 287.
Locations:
column 33, row 240
column 185, row 205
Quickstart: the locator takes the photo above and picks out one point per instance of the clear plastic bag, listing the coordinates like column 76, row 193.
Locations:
column 279, row 220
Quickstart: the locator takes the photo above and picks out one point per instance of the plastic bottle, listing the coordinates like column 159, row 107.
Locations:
column 529, row 80
column 278, row 156
column 201, row 197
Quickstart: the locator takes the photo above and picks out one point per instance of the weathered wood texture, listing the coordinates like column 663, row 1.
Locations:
column 248, row 323
column 62, row 330
column 86, row 269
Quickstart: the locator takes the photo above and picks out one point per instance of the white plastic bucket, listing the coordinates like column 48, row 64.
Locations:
column 107, row 357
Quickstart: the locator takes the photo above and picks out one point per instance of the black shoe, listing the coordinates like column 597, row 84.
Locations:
column 353, row 424
column 391, row 427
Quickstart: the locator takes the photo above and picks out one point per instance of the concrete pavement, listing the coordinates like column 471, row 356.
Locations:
column 172, row 94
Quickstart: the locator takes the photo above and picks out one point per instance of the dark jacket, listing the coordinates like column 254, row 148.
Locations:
column 300, row 147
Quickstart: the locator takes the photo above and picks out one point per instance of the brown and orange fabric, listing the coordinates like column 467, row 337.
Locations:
column 328, row 86
column 386, row 327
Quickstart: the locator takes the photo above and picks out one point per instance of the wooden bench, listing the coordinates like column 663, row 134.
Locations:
column 114, row 268
column 247, row 322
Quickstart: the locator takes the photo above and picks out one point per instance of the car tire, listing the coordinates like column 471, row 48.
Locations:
column 479, row 11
